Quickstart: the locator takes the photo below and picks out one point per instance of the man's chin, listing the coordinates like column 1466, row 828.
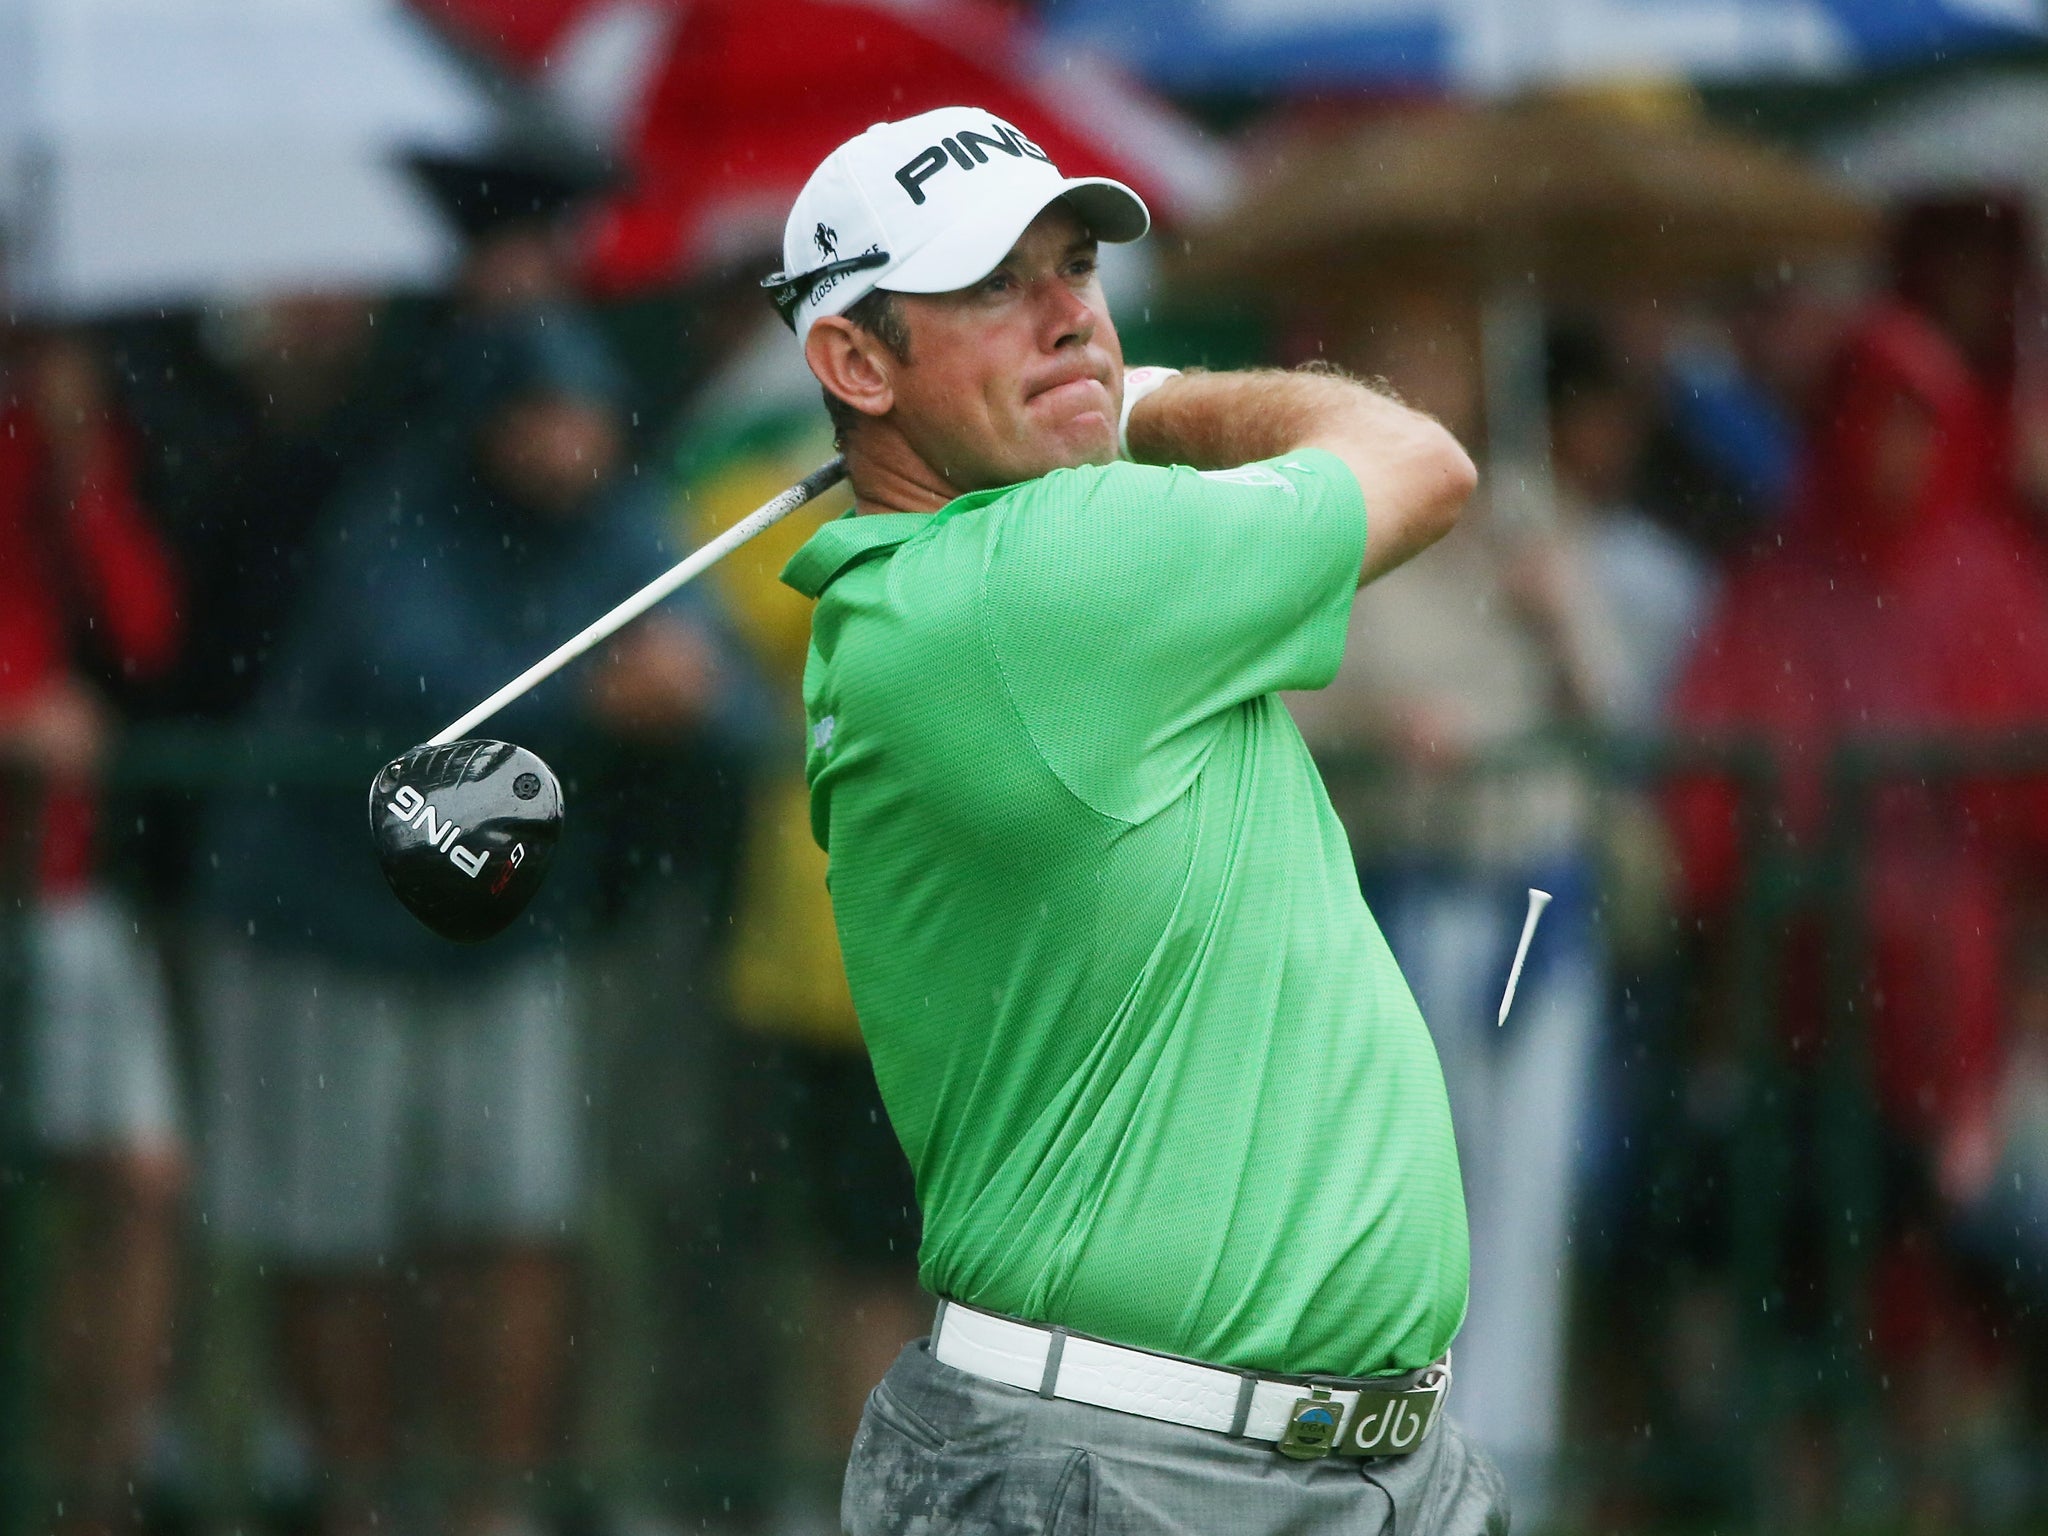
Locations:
column 1088, row 439
column 1075, row 445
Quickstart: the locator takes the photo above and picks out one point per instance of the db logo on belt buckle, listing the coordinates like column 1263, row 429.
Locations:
column 1390, row 1423
column 1383, row 1424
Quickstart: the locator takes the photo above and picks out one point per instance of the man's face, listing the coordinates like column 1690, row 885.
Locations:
column 1596, row 440
column 551, row 452
column 1020, row 373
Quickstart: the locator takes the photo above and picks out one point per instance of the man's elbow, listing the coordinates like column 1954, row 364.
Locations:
column 1420, row 498
column 1447, row 478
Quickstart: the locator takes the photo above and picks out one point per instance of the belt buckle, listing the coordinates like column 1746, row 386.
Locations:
column 1311, row 1426
column 1389, row 1422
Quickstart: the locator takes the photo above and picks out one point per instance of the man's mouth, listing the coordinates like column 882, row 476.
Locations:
column 1071, row 393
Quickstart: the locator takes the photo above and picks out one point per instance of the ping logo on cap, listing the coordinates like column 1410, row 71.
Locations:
column 966, row 149
column 897, row 207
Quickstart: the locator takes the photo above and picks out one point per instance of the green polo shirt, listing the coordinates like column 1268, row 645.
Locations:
column 1157, row 1074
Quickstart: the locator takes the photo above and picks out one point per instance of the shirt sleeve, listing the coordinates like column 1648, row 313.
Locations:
column 1131, row 609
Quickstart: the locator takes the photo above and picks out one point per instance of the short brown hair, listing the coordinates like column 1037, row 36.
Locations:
column 877, row 313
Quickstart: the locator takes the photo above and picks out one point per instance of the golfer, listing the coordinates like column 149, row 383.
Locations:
column 1181, row 1142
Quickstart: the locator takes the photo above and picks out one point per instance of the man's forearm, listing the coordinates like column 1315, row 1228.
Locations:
column 1222, row 420
column 1414, row 475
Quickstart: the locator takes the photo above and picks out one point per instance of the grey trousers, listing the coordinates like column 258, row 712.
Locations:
column 942, row 1453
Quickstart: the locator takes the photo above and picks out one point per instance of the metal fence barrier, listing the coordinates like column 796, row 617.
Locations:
column 1794, row 1369
column 18, row 1281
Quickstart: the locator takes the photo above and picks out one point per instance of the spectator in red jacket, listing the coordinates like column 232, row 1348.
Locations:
column 1898, row 600
column 80, row 565
column 1902, row 599
column 1965, row 263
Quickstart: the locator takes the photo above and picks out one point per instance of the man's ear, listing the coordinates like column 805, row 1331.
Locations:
column 852, row 364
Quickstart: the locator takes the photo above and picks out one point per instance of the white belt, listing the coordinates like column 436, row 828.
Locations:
column 1303, row 1417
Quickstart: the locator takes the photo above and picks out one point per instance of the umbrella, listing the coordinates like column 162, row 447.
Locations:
column 1498, row 47
column 1546, row 199
column 1577, row 193
column 158, row 152
column 747, row 96
column 1961, row 136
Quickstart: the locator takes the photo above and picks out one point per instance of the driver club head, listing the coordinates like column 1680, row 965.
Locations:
column 465, row 833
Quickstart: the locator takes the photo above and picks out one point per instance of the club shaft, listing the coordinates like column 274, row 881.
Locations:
column 813, row 485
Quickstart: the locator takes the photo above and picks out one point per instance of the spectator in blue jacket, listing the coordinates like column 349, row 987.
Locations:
column 383, row 1103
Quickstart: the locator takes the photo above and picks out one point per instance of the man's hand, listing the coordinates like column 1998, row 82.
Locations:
column 1415, row 476
column 1966, row 1157
column 658, row 676
column 59, row 732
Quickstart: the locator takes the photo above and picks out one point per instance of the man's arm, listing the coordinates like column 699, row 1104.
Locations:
column 1415, row 476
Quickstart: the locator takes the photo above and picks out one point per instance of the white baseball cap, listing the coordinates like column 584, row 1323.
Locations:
column 927, row 205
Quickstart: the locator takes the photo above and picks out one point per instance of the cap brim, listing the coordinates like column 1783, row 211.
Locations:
column 976, row 244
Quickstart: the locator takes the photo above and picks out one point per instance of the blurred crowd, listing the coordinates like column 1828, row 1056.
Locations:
column 347, row 1228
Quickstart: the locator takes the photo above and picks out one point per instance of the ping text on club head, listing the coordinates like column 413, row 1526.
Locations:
column 412, row 808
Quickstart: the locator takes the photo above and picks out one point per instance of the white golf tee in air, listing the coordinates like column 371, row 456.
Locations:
column 1538, row 900
column 813, row 485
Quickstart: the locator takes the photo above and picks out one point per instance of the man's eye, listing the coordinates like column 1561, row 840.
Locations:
column 996, row 282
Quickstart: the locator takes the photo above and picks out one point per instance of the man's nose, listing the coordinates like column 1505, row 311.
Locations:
column 1068, row 318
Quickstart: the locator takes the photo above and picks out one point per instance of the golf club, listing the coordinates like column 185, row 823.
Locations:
column 465, row 828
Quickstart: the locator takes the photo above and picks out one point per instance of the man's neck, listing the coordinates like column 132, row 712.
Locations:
column 888, row 475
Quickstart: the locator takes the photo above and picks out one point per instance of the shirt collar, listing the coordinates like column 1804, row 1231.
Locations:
column 845, row 542
column 854, row 536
